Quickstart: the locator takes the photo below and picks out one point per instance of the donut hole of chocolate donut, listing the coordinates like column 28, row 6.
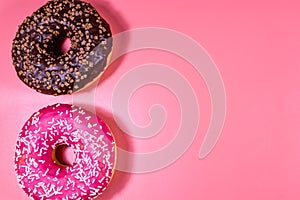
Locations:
column 63, row 155
column 61, row 45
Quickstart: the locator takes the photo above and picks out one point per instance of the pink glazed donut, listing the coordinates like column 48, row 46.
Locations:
column 40, row 171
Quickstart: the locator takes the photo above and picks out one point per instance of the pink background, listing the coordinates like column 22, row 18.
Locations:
column 256, row 47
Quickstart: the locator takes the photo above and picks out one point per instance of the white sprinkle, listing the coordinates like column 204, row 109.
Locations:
column 47, row 170
column 32, row 176
column 57, row 171
column 51, row 122
column 42, row 161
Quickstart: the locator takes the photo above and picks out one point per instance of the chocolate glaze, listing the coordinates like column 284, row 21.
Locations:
column 40, row 66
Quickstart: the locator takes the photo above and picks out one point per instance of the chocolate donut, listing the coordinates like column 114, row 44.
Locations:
column 37, row 59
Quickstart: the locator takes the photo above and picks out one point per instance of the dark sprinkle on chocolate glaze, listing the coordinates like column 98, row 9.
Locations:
column 40, row 66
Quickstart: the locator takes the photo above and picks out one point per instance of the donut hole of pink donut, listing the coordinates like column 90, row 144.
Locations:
column 63, row 155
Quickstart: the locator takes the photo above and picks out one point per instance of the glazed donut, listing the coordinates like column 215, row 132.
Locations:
column 40, row 171
column 42, row 66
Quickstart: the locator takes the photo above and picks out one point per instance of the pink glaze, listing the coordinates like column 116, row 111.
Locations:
column 60, row 124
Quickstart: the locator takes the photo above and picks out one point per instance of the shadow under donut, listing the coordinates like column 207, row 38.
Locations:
column 119, row 179
column 118, row 24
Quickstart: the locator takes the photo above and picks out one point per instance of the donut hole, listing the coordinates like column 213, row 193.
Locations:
column 63, row 155
column 61, row 45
